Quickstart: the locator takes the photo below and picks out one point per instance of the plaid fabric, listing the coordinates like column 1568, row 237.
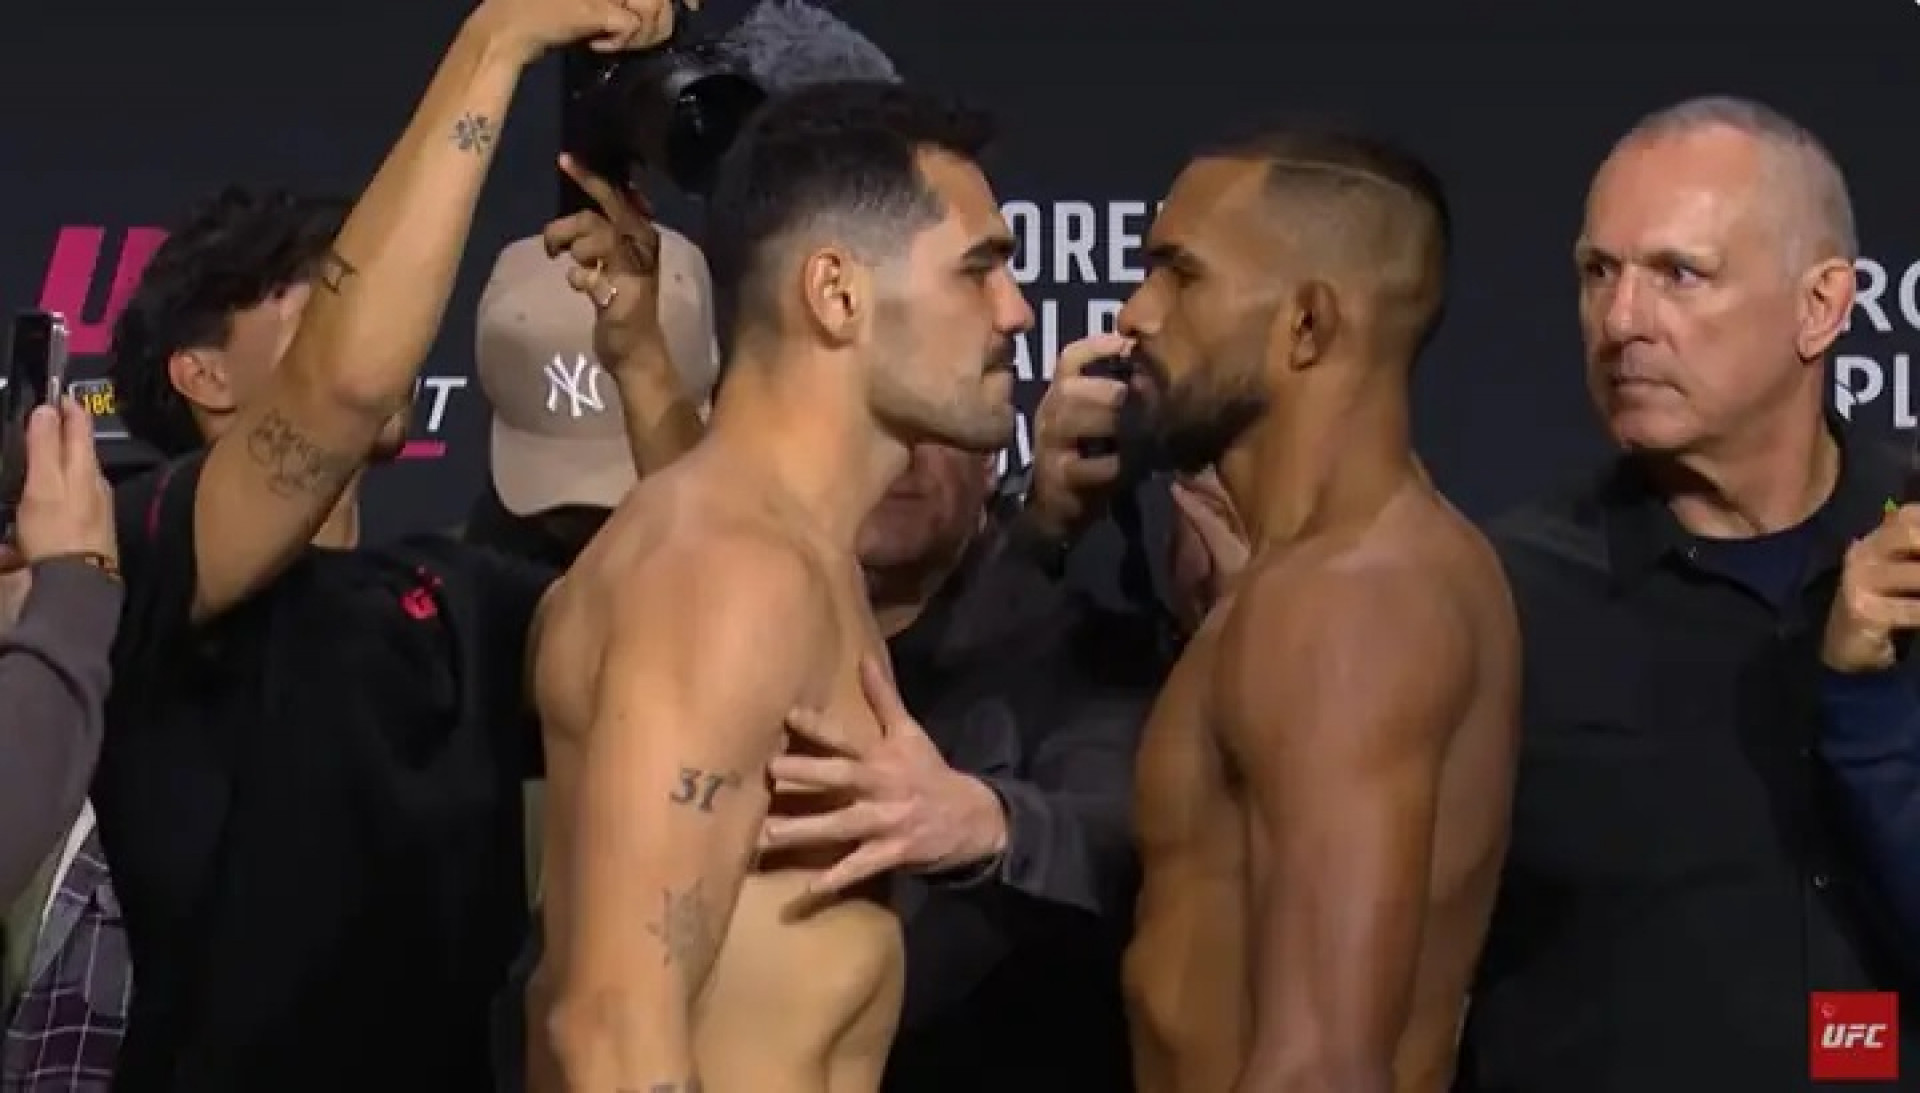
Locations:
column 65, row 1033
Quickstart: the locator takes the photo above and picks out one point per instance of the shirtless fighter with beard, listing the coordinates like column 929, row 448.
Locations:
column 860, row 264
column 1323, row 787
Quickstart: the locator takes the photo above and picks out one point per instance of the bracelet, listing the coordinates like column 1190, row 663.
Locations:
column 92, row 558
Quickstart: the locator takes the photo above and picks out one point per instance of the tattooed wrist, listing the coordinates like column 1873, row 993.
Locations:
column 295, row 465
column 475, row 133
column 698, row 789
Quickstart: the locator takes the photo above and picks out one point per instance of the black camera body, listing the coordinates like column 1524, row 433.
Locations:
column 673, row 109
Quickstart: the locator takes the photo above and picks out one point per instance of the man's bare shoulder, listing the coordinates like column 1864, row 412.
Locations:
column 1339, row 603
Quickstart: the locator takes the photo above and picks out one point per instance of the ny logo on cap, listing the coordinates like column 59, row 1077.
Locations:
column 577, row 383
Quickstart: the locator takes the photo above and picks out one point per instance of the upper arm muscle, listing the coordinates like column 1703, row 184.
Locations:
column 690, row 707
column 1341, row 688
column 269, row 484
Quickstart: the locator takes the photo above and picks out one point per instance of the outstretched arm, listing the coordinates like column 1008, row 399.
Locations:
column 271, row 481
column 694, row 690
column 1340, row 690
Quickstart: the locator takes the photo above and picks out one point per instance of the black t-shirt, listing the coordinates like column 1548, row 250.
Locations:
column 312, row 810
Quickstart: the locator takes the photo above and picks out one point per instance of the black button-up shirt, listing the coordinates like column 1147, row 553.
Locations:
column 1681, row 877
column 1013, row 974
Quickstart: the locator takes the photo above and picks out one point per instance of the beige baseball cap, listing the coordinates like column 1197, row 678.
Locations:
column 558, row 435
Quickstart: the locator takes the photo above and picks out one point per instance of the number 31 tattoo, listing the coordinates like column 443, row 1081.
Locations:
column 698, row 788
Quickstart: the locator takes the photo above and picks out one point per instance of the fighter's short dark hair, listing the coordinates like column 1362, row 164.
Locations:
column 1372, row 202
column 232, row 252
column 836, row 158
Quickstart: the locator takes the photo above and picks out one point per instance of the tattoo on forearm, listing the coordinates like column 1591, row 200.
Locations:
column 697, row 788
column 685, row 930
column 475, row 133
column 334, row 271
column 296, row 465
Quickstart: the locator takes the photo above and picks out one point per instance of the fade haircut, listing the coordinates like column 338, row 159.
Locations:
column 233, row 252
column 833, row 161
column 1802, row 171
column 1363, row 209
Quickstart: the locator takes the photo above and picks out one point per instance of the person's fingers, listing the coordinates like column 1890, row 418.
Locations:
column 612, row 205
column 841, row 826
column 46, row 453
column 869, row 861
column 594, row 248
column 76, row 430
column 1083, row 407
column 1090, row 472
column 812, row 774
column 1075, row 358
column 558, row 236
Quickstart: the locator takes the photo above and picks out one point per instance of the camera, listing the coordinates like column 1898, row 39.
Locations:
column 36, row 368
column 674, row 108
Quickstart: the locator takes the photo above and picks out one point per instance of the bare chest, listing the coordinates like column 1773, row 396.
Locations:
column 1184, row 778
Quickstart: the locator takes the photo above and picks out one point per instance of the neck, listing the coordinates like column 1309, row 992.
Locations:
column 807, row 430
column 1330, row 454
column 1768, row 479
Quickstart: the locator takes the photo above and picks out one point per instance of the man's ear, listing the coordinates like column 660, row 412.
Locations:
column 1306, row 324
column 202, row 380
column 836, row 294
column 1826, row 299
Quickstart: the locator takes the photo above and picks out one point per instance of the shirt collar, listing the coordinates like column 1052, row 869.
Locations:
column 1642, row 532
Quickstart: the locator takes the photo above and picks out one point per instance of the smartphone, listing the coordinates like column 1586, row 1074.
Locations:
column 36, row 370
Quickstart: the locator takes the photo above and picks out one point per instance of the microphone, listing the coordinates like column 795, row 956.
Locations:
column 789, row 44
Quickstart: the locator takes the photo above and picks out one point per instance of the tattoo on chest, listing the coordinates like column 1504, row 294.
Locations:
column 475, row 133
column 684, row 929
column 698, row 789
column 295, row 465
column 334, row 271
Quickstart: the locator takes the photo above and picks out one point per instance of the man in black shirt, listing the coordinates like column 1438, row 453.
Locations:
column 1679, row 882
column 309, row 791
column 1003, row 799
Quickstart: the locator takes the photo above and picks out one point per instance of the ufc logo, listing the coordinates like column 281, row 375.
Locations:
column 1847, row 1037
column 1855, row 1036
column 77, row 278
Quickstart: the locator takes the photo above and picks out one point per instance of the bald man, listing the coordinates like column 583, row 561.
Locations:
column 1322, row 789
column 1675, row 834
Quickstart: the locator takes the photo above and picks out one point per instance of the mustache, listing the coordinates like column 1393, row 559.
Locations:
column 1003, row 355
column 1144, row 362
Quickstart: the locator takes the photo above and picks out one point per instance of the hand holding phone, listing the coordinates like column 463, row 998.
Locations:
column 36, row 370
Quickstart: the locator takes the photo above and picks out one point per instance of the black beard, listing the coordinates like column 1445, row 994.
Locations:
column 1189, row 441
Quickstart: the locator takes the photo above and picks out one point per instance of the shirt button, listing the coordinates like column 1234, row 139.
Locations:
column 1822, row 882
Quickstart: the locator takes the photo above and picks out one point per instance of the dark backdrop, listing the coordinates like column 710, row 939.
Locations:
column 118, row 114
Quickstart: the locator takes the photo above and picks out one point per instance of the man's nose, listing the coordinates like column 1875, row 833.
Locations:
column 1621, row 318
column 1138, row 318
column 1016, row 314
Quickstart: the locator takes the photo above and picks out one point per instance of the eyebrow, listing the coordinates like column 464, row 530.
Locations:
column 1661, row 256
column 993, row 250
column 1174, row 255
